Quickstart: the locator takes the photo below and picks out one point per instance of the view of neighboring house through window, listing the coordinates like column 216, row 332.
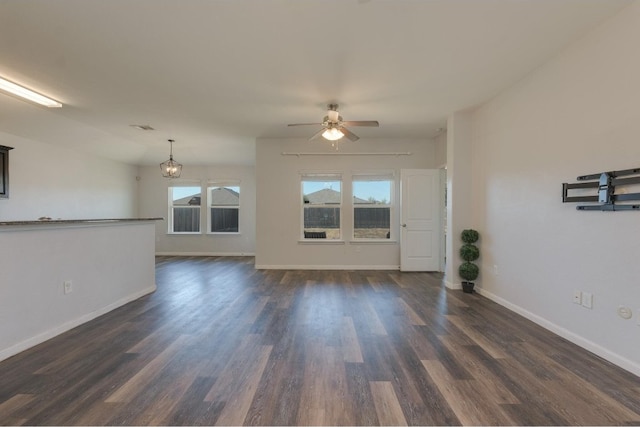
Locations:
column 184, row 209
column 372, row 207
column 322, row 201
column 224, row 209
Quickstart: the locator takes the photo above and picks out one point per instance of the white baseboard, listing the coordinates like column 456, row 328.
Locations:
column 614, row 358
column 40, row 338
column 326, row 267
column 205, row 254
column 453, row 286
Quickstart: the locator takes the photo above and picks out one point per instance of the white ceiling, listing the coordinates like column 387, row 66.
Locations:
column 216, row 74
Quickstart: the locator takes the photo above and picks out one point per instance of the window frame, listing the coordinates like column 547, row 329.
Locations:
column 369, row 177
column 172, row 207
column 4, row 171
column 223, row 184
column 321, row 177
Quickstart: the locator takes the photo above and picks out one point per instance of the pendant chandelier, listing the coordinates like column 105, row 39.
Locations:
column 171, row 168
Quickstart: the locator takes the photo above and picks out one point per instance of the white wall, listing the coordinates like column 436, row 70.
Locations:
column 108, row 265
column 459, row 205
column 279, row 200
column 153, row 202
column 441, row 149
column 62, row 183
column 578, row 114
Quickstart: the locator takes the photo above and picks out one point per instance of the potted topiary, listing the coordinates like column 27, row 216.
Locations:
column 469, row 252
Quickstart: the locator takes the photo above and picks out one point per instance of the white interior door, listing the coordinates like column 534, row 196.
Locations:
column 420, row 220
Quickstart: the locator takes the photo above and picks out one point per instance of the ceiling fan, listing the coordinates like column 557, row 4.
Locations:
column 333, row 127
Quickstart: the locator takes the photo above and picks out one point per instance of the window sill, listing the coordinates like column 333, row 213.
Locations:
column 321, row 242
column 373, row 242
column 195, row 233
column 222, row 233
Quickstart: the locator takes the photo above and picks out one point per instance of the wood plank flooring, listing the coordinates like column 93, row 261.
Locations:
column 221, row 343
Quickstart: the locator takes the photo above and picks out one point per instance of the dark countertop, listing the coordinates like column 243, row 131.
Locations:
column 76, row 221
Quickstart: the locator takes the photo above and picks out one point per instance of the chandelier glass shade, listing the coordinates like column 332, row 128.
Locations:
column 171, row 168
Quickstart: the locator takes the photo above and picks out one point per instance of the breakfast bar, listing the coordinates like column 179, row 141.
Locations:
column 56, row 274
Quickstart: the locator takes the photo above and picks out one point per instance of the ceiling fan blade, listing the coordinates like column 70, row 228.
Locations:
column 317, row 134
column 349, row 135
column 305, row 124
column 370, row 123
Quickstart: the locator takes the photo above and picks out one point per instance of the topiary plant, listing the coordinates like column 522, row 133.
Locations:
column 469, row 236
column 468, row 271
column 469, row 252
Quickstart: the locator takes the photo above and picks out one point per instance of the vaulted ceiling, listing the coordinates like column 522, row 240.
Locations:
column 216, row 74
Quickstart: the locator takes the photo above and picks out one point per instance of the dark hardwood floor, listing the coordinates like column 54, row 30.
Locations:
column 221, row 343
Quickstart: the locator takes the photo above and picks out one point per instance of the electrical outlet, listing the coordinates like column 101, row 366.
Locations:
column 587, row 300
column 577, row 297
column 68, row 287
column 495, row 270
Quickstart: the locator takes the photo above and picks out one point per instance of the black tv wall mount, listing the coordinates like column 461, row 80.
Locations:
column 606, row 184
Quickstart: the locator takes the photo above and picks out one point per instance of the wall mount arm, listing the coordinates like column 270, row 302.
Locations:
column 605, row 183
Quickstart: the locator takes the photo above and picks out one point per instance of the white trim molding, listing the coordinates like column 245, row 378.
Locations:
column 327, row 267
column 40, row 338
column 614, row 358
column 170, row 253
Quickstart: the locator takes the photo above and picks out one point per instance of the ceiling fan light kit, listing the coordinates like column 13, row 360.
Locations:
column 332, row 134
column 334, row 127
column 333, row 115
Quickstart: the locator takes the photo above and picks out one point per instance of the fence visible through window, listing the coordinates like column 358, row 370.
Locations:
column 224, row 209
column 372, row 207
column 185, row 209
column 322, row 202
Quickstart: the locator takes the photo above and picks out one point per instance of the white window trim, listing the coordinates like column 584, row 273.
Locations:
column 304, row 241
column 382, row 175
column 320, row 177
column 171, row 207
column 217, row 184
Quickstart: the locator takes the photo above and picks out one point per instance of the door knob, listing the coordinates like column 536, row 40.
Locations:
column 404, row 225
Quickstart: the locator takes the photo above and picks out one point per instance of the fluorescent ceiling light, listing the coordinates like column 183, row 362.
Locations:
column 25, row 93
column 332, row 134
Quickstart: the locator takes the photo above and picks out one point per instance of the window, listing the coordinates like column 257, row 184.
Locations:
column 372, row 206
column 4, row 171
column 184, row 209
column 224, row 209
column 321, row 201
